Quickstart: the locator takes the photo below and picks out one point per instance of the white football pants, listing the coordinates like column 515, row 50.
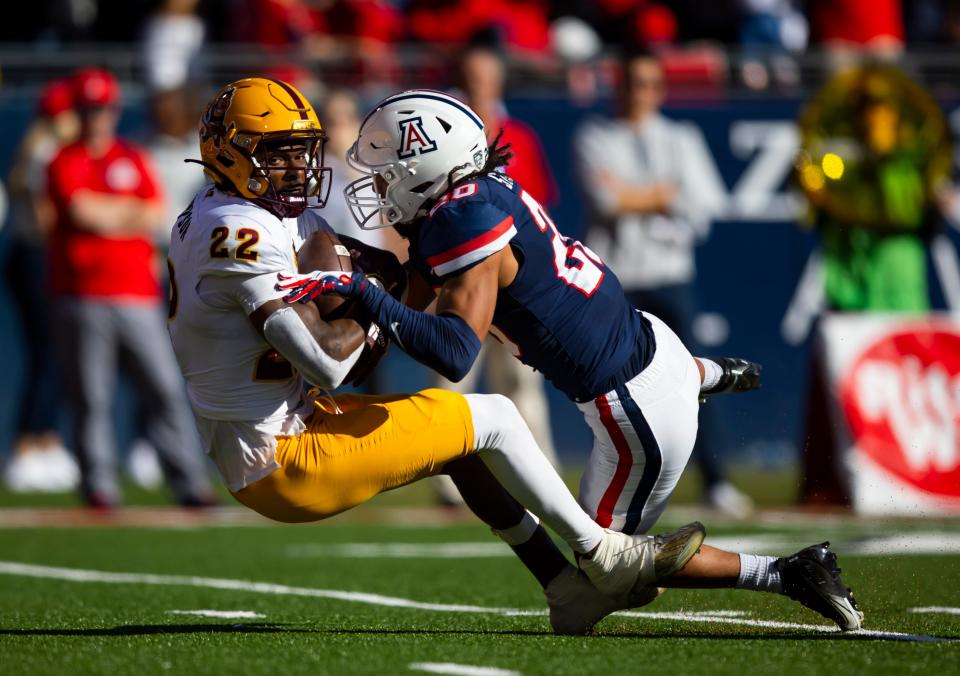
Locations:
column 643, row 432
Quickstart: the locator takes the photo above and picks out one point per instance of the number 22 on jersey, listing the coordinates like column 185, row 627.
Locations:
column 576, row 265
column 247, row 238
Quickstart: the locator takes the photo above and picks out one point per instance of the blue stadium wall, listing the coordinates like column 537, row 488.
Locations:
column 748, row 269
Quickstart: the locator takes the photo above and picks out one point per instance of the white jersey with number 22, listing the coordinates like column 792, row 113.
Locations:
column 225, row 253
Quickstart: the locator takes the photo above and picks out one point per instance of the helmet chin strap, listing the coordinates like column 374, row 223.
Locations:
column 279, row 207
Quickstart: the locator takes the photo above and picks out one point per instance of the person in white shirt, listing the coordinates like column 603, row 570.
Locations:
column 648, row 209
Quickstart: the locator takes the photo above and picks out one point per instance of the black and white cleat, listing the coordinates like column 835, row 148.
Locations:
column 811, row 576
column 739, row 375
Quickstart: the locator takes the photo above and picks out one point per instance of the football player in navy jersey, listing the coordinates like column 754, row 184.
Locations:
column 494, row 261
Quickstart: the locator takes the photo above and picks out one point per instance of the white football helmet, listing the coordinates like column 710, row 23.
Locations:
column 412, row 146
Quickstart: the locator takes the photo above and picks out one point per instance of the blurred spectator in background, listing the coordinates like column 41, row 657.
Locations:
column 481, row 80
column 173, row 38
column 716, row 21
column 647, row 212
column 770, row 33
column 340, row 117
column 173, row 140
column 623, row 23
column 280, row 24
column 522, row 26
column 103, row 274
column 365, row 31
column 39, row 461
column 359, row 34
column 847, row 29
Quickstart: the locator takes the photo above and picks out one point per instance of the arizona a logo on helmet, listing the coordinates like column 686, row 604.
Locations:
column 414, row 139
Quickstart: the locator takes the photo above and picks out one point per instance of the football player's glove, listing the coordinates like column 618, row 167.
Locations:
column 304, row 288
column 378, row 264
column 376, row 346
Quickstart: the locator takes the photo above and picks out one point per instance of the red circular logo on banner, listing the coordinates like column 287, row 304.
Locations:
column 901, row 398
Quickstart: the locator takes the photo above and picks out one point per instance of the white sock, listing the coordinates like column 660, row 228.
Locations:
column 523, row 531
column 507, row 447
column 759, row 573
column 712, row 371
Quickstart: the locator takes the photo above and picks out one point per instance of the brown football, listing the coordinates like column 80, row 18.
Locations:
column 323, row 251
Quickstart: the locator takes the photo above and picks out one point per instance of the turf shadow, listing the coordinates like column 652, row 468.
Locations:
column 148, row 629
column 770, row 636
column 438, row 632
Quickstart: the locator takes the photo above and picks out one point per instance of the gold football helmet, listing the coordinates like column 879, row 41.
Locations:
column 241, row 122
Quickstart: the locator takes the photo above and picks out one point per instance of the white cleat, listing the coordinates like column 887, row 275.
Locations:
column 576, row 606
column 619, row 563
column 622, row 563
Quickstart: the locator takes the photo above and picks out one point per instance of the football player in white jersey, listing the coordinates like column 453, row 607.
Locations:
column 294, row 456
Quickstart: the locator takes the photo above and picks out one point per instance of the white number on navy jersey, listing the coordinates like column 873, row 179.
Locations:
column 584, row 273
column 458, row 193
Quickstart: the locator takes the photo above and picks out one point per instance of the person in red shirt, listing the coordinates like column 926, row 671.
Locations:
column 104, row 278
column 481, row 80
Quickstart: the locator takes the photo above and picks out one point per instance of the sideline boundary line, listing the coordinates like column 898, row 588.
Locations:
column 96, row 576
column 456, row 669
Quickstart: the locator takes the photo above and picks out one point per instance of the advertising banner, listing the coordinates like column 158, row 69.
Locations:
column 895, row 382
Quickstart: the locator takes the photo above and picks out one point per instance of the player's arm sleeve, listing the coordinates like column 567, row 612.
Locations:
column 444, row 343
column 453, row 240
column 287, row 332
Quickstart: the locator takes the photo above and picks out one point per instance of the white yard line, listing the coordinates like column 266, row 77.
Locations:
column 770, row 624
column 97, row 576
column 222, row 614
column 80, row 575
column 925, row 542
column 460, row 669
column 915, row 543
column 401, row 550
column 943, row 610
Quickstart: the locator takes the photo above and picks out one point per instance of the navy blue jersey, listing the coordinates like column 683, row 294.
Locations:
column 565, row 314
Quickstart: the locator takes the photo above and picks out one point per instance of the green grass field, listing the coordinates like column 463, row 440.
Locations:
column 387, row 589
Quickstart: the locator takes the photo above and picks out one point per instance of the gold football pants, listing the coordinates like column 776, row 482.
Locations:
column 374, row 444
